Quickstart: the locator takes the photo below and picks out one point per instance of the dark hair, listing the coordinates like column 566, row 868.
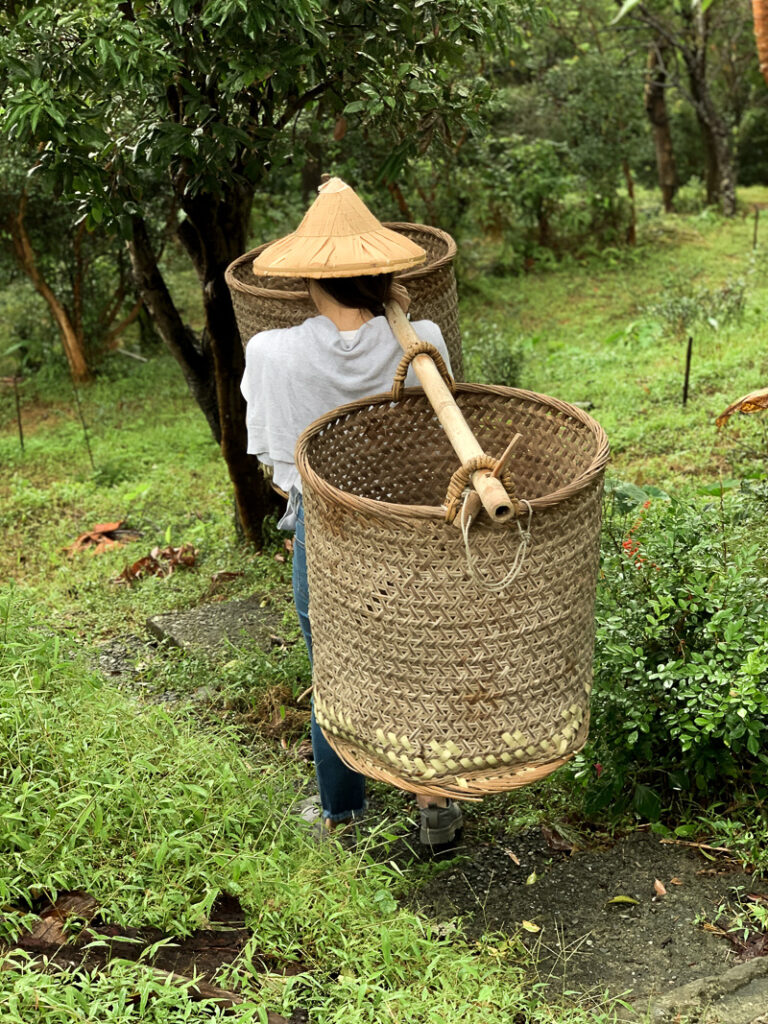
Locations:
column 368, row 291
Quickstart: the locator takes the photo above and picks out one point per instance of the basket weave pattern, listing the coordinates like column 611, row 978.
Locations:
column 422, row 677
column 265, row 303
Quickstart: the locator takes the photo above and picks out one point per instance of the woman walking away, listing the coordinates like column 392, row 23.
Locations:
column 295, row 375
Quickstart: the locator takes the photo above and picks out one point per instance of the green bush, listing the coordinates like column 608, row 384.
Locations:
column 684, row 304
column 492, row 357
column 680, row 700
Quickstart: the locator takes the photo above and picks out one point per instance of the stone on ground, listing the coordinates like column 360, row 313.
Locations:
column 738, row 996
column 211, row 625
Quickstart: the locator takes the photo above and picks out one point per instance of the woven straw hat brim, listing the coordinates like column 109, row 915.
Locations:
column 338, row 237
column 350, row 256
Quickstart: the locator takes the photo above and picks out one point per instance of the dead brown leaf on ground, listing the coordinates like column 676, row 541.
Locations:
column 102, row 537
column 159, row 562
column 556, row 840
column 50, row 929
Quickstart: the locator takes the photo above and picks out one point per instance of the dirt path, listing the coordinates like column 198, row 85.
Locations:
column 642, row 944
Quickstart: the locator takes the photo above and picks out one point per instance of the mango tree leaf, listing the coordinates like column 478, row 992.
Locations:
column 647, row 803
column 625, row 8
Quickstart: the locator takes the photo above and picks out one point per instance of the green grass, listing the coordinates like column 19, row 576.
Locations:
column 588, row 337
column 155, row 809
column 155, row 816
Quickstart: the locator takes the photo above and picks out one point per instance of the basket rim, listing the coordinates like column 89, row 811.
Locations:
column 393, row 511
column 259, row 291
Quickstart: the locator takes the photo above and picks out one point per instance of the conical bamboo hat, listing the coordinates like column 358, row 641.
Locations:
column 338, row 237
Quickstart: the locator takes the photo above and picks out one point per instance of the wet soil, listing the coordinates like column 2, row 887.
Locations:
column 601, row 925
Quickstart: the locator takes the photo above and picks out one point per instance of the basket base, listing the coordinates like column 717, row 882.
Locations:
column 474, row 785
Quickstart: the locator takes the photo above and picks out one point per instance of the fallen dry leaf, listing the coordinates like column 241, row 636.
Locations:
column 530, row 926
column 675, row 881
column 708, row 927
column 101, row 537
column 159, row 562
column 555, row 840
column 755, row 401
column 513, row 857
column 659, row 888
column 49, row 930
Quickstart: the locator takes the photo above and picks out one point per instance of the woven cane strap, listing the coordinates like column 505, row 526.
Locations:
column 422, row 348
column 460, row 480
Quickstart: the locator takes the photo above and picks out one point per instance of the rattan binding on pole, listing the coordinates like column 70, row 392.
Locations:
column 423, row 677
column 264, row 303
column 422, row 348
column 460, row 480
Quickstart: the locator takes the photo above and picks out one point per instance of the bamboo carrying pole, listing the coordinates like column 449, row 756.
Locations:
column 490, row 489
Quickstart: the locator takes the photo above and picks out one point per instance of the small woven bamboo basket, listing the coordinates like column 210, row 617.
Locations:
column 263, row 303
column 452, row 662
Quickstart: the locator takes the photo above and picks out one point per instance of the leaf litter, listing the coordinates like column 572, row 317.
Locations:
column 103, row 537
column 159, row 562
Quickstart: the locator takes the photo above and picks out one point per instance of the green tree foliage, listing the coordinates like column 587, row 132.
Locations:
column 157, row 110
column 83, row 277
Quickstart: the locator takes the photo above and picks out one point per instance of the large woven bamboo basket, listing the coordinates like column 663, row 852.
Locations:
column 263, row 303
column 424, row 677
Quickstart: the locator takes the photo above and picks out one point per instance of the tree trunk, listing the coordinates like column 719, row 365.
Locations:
column 656, row 109
column 71, row 339
column 214, row 234
column 720, row 175
column 760, row 14
column 721, row 178
column 195, row 361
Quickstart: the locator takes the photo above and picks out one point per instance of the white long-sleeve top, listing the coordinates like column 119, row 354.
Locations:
column 297, row 374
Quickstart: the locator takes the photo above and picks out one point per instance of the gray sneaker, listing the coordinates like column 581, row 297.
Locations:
column 439, row 825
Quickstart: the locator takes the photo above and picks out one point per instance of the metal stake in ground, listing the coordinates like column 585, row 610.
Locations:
column 687, row 369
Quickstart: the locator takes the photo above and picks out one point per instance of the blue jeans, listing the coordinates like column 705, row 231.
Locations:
column 342, row 791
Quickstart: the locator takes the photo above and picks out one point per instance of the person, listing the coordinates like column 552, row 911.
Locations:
column 295, row 375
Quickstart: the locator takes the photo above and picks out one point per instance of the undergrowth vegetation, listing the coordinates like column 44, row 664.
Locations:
column 158, row 794
column 680, row 703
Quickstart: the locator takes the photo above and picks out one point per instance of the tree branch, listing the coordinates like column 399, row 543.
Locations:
column 114, row 335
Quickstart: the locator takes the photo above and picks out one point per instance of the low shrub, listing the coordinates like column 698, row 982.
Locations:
column 680, row 701
column 492, row 357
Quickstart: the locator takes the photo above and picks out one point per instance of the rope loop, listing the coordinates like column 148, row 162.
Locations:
column 498, row 587
column 461, row 478
column 421, row 348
